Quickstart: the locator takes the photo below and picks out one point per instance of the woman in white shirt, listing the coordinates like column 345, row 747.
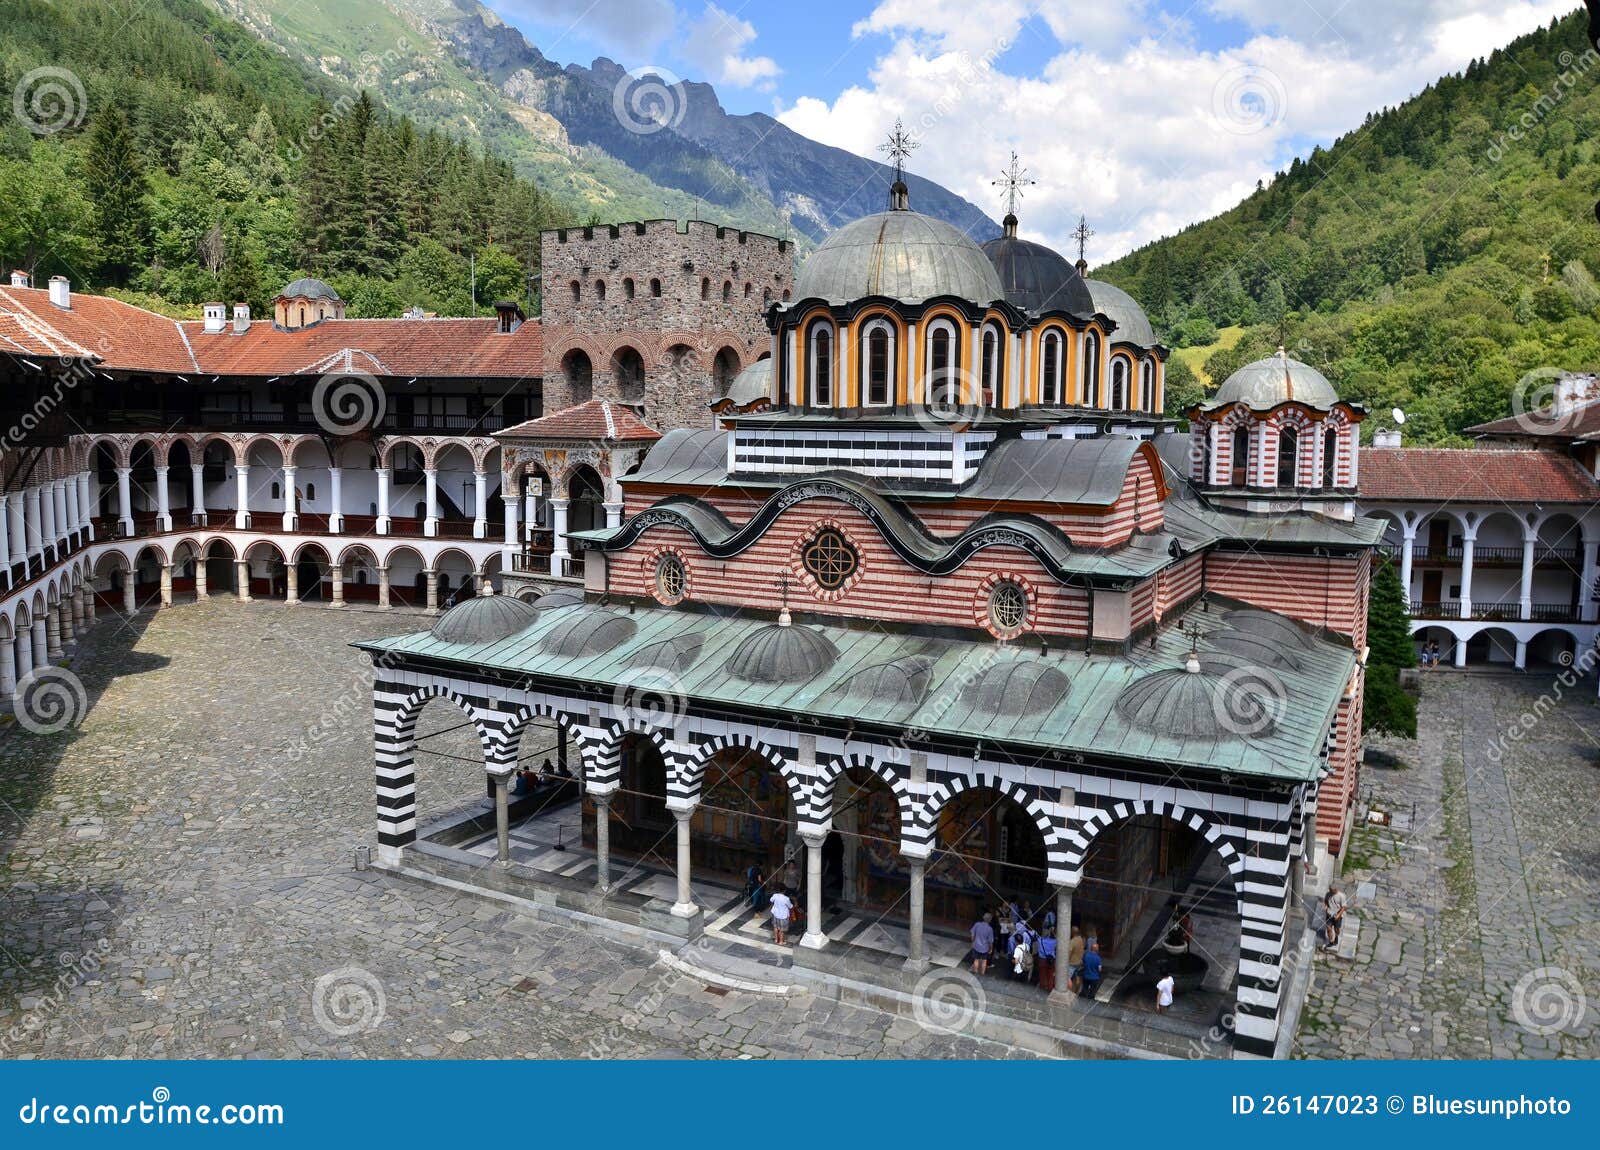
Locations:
column 782, row 907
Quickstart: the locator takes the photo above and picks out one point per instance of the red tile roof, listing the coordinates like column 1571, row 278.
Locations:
column 130, row 338
column 1576, row 423
column 1485, row 475
column 591, row 419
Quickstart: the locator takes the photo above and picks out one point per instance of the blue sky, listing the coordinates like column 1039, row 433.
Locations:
column 1144, row 114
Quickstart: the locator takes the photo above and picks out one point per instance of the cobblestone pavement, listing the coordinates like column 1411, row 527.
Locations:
column 1478, row 936
column 177, row 882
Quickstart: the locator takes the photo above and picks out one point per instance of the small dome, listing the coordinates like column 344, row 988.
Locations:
column 1037, row 278
column 308, row 288
column 902, row 255
column 751, row 385
column 898, row 684
column 1015, row 688
column 1268, row 626
column 1259, row 650
column 1133, row 326
column 780, row 654
column 1266, row 383
column 587, row 633
column 560, row 597
column 673, row 655
column 1210, row 703
column 484, row 619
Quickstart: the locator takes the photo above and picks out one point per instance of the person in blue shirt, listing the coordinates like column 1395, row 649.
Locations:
column 1091, row 970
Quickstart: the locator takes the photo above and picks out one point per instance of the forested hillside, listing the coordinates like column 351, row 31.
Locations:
column 1428, row 260
column 166, row 153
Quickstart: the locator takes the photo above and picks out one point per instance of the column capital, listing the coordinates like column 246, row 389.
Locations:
column 814, row 836
column 683, row 809
column 917, row 853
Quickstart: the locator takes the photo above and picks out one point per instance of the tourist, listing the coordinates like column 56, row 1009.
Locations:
column 755, row 888
column 1164, row 989
column 782, row 908
column 1022, row 953
column 1075, row 960
column 1091, row 971
column 982, row 944
column 1334, row 904
column 1046, row 966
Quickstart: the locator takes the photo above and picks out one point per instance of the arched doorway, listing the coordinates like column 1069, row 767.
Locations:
column 627, row 371
column 586, row 493
column 1555, row 647
column 267, row 571
column 220, row 567
column 743, row 820
column 641, row 825
column 987, row 852
column 407, row 583
column 1495, row 646
column 313, row 574
column 871, row 872
column 724, row 370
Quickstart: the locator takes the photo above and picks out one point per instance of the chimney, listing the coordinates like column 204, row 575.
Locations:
column 20, row 278
column 61, row 292
column 510, row 314
column 1573, row 391
column 241, row 318
column 1386, row 437
column 216, row 318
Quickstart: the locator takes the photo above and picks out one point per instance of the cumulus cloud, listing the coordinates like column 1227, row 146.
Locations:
column 1139, row 128
column 632, row 29
column 715, row 43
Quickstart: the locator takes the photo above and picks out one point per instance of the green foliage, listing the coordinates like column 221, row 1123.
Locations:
column 1426, row 261
column 208, row 168
column 1183, row 389
column 1386, row 706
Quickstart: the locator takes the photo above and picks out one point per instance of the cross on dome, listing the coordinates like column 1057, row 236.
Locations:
column 898, row 147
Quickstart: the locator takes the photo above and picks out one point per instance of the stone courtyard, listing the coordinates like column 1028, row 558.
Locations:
column 179, row 882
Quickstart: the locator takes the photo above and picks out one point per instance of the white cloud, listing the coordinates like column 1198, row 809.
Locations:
column 1144, row 134
column 715, row 43
column 632, row 29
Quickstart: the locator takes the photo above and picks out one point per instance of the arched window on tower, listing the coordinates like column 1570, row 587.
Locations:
column 1147, row 385
column 655, row 289
column 705, row 287
column 877, row 362
column 727, row 291
column 944, row 352
column 1050, row 369
column 600, row 290
column 1119, row 383
column 1288, row 456
column 577, row 291
column 627, row 288
column 1330, row 457
column 1241, row 455
column 1091, row 369
column 990, row 353
column 822, row 365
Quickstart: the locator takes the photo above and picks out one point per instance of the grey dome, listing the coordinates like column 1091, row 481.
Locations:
column 588, row 633
column 1266, row 383
column 902, row 255
column 1017, row 687
column 899, row 684
column 1037, row 278
column 1267, row 625
column 308, row 288
column 752, row 384
column 1133, row 326
column 484, row 619
column 560, row 597
column 672, row 655
column 1259, row 650
column 780, row 654
column 1211, row 703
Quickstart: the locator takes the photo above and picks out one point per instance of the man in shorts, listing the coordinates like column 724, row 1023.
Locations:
column 982, row 945
column 782, row 906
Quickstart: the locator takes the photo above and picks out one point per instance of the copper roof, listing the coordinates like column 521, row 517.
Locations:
column 1486, row 475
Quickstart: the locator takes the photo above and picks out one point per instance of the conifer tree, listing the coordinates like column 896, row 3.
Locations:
column 1386, row 706
column 114, row 178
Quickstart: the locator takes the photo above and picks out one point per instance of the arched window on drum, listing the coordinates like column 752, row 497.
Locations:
column 1147, row 386
column 991, row 365
column 821, row 364
column 944, row 356
column 1119, row 383
column 877, row 363
column 1051, row 364
column 1091, row 369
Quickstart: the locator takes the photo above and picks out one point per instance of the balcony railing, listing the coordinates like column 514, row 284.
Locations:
column 1497, row 612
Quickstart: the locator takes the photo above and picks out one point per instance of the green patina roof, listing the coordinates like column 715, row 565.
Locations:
column 952, row 688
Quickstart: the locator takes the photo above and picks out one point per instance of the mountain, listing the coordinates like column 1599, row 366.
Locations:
column 1434, row 259
column 614, row 145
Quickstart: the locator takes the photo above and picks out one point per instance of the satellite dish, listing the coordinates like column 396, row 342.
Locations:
column 1399, row 417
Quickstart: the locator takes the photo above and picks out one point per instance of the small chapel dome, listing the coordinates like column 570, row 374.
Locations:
column 901, row 255
column 1266, row 383
column 484, row 619
column 1015, row 688
column 584, row 632
column 1199, row 701
column 782, row 653
column 308, row 287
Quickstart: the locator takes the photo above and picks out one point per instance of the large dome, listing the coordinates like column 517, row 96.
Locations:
column 902, row 255
column 1037, row 278
column 1266, row 383
column 484, row 619
column 1133, row 326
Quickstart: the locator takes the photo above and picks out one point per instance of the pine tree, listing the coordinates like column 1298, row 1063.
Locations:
column 114, row 179
column 383, row 235
column 1386, row 706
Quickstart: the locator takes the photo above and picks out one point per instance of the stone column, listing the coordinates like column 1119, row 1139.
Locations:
column 916, row 951
column 430, row 525
column 58, row 495
column 35, row 522
column 1063, row 992
column 91, row 609
column 80, row 614
column 290, row 512
column 16, row 513
column 1467, row 545
column 291, row 584
column 1522, row 655
column 8, row 670
column 814, row 938
column 1525, row 588
column 67, row 633
column 166, row 584
column 337, row 571
column 241, row 569
column 86, row 501
column 684, row 907
column 130, row 594
column 5, row 536
column 559, row 557
column 197, row 493
column 163, row 504
column 502, row 819
column 613, row 514
column 385, row 525
column 1408, row 546
column 201, row 591
column 52, row 630
column 602, row 842
column 480, row 513
column 335, row 499
column 24, row 653
column 383, row 586
column 433, row 591
column 41, row 646
column 241, row 515
column 124, row 500
column 509, row 500
column 47, row 513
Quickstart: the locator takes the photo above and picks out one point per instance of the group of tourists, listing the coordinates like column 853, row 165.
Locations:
column 1008, row 937
column 781, row 901
column 1430, row 654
